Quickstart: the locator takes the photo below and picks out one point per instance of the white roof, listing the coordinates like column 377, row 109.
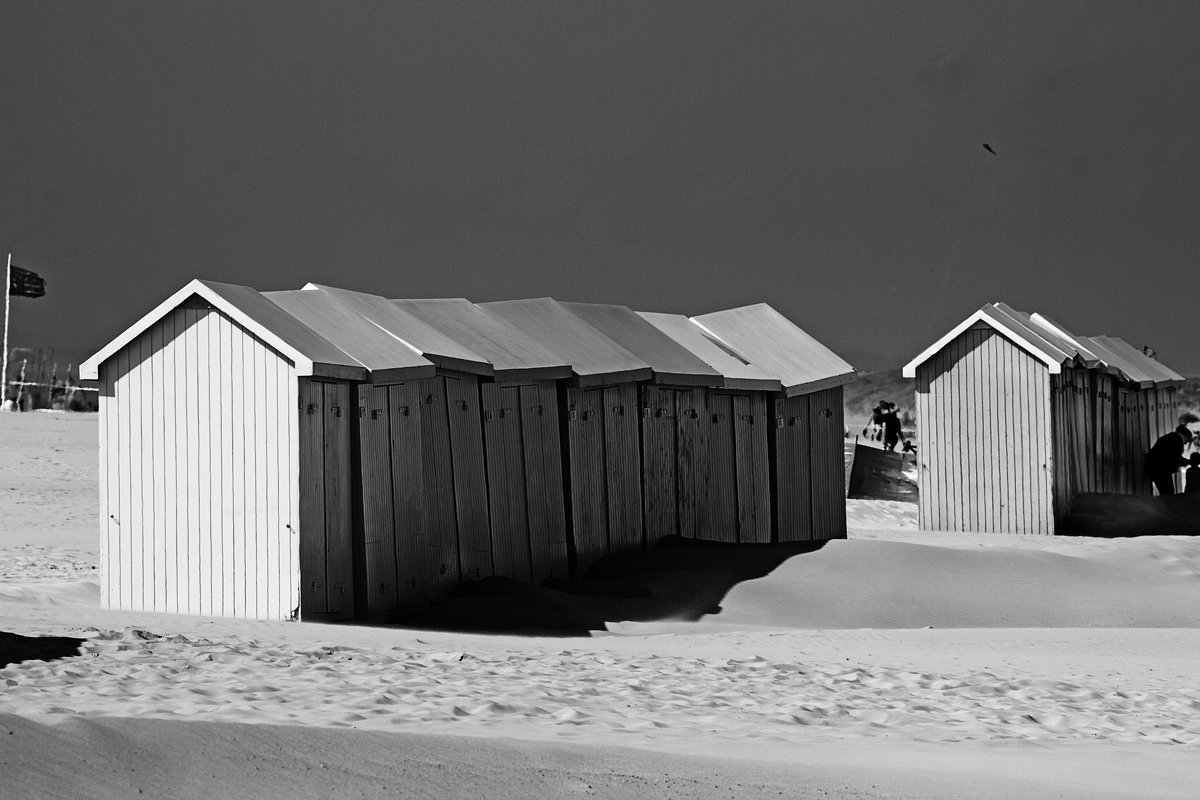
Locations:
column 1056, row 347
column 311, row 353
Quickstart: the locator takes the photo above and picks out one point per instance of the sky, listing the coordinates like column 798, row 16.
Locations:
column 824, row 157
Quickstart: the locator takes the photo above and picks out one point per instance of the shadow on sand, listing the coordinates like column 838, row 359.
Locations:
column 15, row 648
column 678, row 579
column 1116, row 515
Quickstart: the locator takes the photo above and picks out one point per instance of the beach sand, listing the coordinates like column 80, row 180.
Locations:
column 893, row 664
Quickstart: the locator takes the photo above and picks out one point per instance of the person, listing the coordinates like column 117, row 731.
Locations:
column 1166, row 457
column 891, row 428
column 1191, row 475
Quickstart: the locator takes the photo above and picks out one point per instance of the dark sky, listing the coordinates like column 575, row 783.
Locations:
column 825, row 157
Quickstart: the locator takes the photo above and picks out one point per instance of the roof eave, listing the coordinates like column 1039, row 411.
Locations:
column 753, row 384
column 809, row 387
column 593, row 379
column 552, row 373
column 688, row 379
column 383, row 377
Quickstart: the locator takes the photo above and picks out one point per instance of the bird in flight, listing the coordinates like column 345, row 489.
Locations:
column 988, row 147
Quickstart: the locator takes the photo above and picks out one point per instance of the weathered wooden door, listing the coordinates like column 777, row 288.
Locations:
column 525, row 489
column 753, row 467
column 660, row 462
column 705, row 464
column 470, row 476
column 381, row 589
column 441, row 516
column 826, row 432
column 326, row 519
column 622, row 468
column 793, row 470
column 409, row 536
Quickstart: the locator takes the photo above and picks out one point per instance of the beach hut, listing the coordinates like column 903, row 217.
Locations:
column 220, row 494
column 521, row 438
column 807, row 454
column 1018, row 415
column 671, row 411
column 599, row 411
column 734, row 463
column 420, row 486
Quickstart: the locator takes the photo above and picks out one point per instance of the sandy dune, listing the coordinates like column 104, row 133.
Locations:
column 893, row 664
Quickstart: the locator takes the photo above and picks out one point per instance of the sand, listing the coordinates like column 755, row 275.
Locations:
column 893, row 664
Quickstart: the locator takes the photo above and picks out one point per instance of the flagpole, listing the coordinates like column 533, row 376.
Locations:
column 7, row 300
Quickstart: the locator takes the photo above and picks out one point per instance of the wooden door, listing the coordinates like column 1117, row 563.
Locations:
column 506, row 481
column 470, row 477
column 659, row 463
column 622, row 468
column 326, row 525
column 410, row 538
column 589, row 489
column 720, row 520
column 441, row 515
column 753, row 468
column 381, row 594
column 793, row 470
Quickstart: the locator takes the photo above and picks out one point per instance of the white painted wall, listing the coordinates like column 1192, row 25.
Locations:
column 199, row 458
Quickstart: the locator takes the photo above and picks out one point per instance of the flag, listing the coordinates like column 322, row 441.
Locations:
column 25, row 283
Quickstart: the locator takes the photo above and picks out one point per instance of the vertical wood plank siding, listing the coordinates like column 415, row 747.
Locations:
column 659, row 463
column 408, row 493
column 623, row 467
column 719, row 498
column 506, row 486
column 793, row 470
column 198, row 503
column 441, row 515
column 470, row 476
column 827, row 464
column 381, row 579
column 547, row 530
column 987, row 462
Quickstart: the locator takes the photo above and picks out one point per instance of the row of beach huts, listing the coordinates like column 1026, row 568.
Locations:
column 325, row 454
column 331, row 454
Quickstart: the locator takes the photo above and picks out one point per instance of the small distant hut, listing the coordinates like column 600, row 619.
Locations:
column 1018, row 415
column 327, row 454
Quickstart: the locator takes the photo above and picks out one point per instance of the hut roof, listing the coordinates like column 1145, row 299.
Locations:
column 337, row 333
column 513, row 353
column 772, row 342
column 671, row 362
column 388, row 357
column 1133, row 364
column 1056, row 347
column 736, row 371
column 594, row 358
column 311, row 353
column 444, row 350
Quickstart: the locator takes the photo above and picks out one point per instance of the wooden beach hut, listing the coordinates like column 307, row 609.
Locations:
column 670, row 409
column 1018, row 415
column 808, row 479
column 733, row 464
column 521, row 438
column 220, row 494
column 599, row 411
column 420, row 490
